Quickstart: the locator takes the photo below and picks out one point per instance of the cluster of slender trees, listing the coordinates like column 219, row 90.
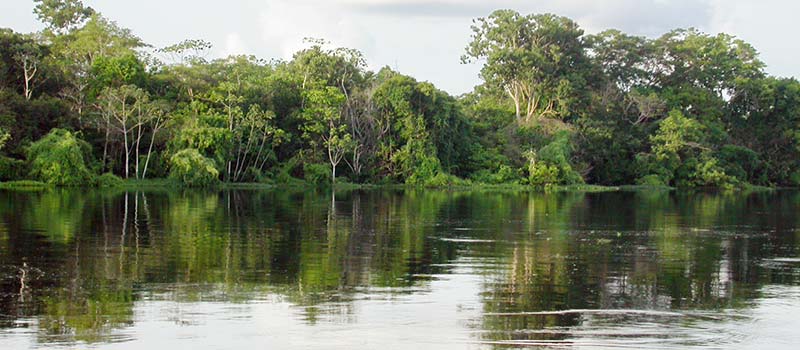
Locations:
column 557, row 106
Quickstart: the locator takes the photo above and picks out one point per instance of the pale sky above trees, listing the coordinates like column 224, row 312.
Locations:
column 423, row 38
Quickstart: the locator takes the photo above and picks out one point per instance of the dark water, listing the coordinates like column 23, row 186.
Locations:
column 399, row 270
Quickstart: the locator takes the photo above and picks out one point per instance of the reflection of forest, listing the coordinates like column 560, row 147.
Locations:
column 92, row 255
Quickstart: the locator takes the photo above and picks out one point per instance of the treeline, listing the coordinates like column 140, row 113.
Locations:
column 86, row 97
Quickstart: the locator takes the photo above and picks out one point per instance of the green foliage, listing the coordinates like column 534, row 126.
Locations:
column 551, row 164
column 765, row 118
column 707, row 172
column 677, row 136
column 59, row 159
column 207, row 134
column 317, row 174
column 192, row 169
column 739, row 162
column 284, row 172
column 794, row 178
column 11, row 169
column 109, row 180
column 441, row 180
column 4, row 136
column 652, row 181
column 504, row 175
column 680, row 153
column 324, row 127
column 23, row 185
column 422, row 167
column 29, row 120
column 556, row 107
column 539, row 60
column 62, row 15
column 116, row 71
column 542, row 174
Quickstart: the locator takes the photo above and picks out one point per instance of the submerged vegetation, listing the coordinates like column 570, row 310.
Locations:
column 557, row 107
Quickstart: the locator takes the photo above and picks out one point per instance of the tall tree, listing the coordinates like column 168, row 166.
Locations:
column 78, row 51
column 535, row 59
column 62, row 16
column 324, row 125
column 125, row 112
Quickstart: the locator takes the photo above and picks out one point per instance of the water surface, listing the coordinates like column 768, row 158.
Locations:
column 399, row 270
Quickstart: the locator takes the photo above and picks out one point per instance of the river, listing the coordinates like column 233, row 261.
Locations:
column 398, row 269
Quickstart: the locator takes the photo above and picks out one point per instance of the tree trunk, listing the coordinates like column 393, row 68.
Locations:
column 105, row 148
column 149, row 151
column 127, row 153
column 513, row 92
column 138, row 141
column 29, row 69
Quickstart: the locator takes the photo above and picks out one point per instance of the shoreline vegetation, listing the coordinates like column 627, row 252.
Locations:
column 85, row 102
column 160, row 184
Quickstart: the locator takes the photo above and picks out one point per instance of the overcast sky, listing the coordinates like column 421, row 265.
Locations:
column 424, row 38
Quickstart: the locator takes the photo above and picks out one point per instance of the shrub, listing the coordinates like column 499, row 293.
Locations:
column 425, row 170
column 317, row 174
column 794, row 178
column 709, row 173
column 482, row 176
column 261, row 176
column 551, row 165
column 504, row 175
column 58, row 159
column 651, row 180
column 11, row 169
column 445, row 180
column 739, row 162
column 23, row 185
column 109, row 180
column 542, row 175
column 192, row 169
column 285, row 170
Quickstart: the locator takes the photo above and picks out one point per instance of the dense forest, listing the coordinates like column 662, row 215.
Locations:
column 87, row 102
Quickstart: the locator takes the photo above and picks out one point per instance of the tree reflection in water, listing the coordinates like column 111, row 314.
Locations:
column 96, row 254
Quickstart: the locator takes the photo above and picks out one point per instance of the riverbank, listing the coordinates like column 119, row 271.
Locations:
column 160, row 184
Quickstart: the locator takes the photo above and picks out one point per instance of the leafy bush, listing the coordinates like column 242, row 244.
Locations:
column 504, row 175
column 317, row 174
column 708, row 173
column 739, row 162
column 58, row 159
column 284, row 172
column 651, row 180
column 542, row 175
column 11, row 169
column 23, row 185
column 257, row 175
column 109, row 180
column 445, row 180
column 557, row 153
column 650, row 165
column 551, row 164
column 794, row 178
column 425, row 170
column 192, row 169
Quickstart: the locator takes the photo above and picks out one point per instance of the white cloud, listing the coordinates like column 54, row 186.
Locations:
column 424, row 38
column 285, row 23
column 767, row 25
column 234, row 45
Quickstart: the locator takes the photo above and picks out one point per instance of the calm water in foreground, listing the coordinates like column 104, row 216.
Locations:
column 398, row 270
